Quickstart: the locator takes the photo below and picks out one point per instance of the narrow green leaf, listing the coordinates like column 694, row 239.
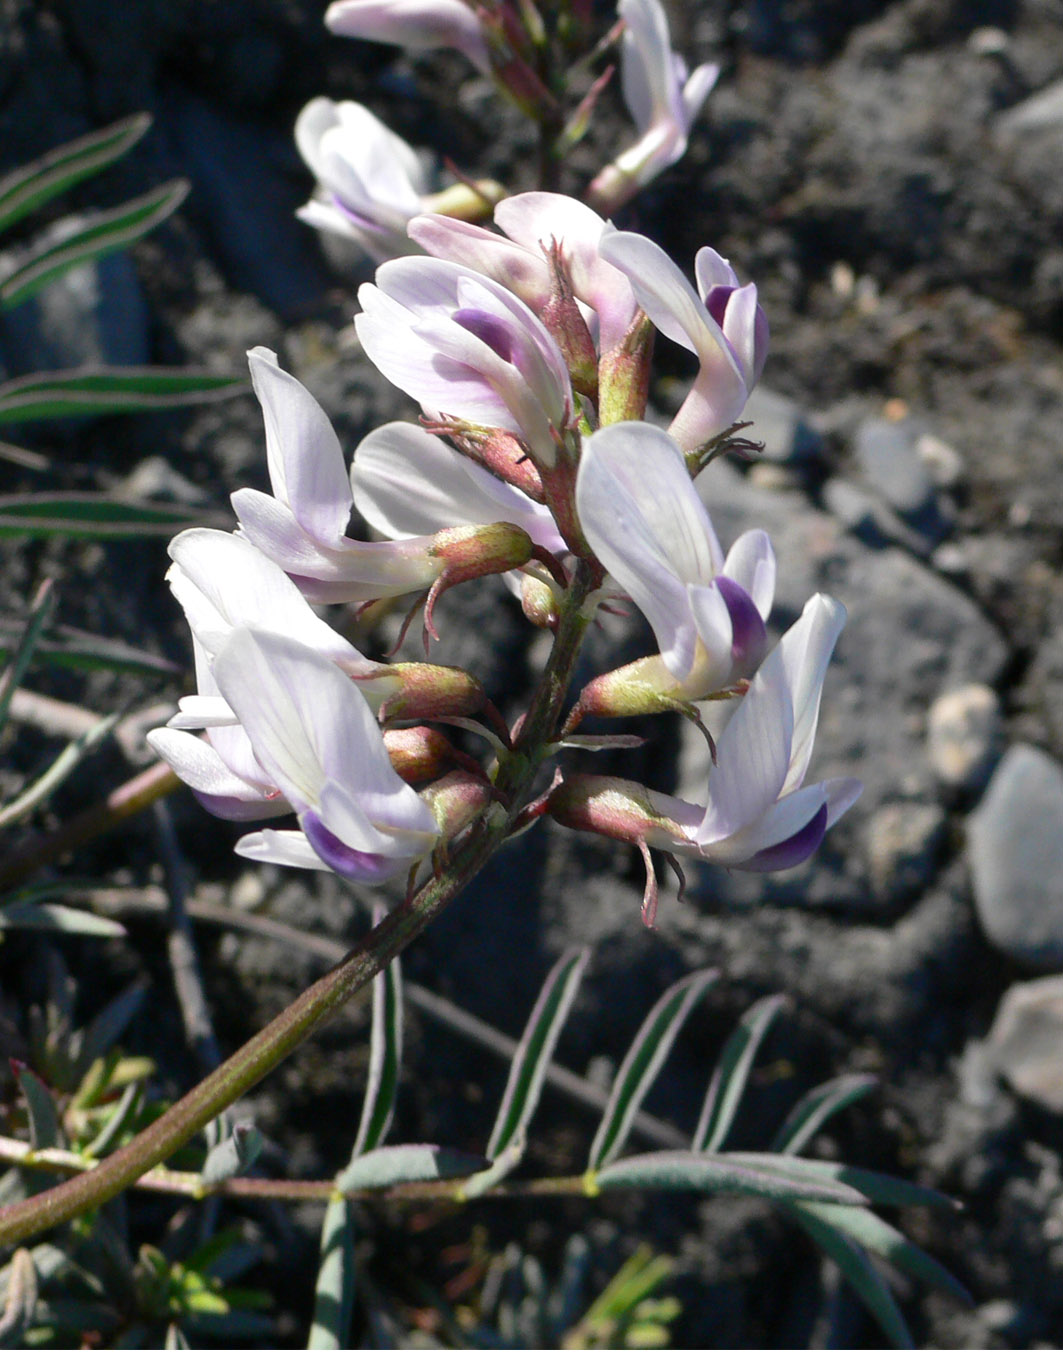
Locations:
column 112, row 1129
column 90, row 515
column 46, row 1131
column 528, row 1068
column 406, row 1164
column 22, row 1296
column 109, row 1024
column 882, row 1189
column 810, row 1113
column 31, row 186
column 55, row 775
column 107, row 390
column 334, row 1291
column 225, row 1256
column 108, row 232
column 40, row 612
column 860, row 1273
column 235, row 1155
column 701, row 1172
column 385, row 1058
column 175, row 1337
column 647, row 1053
column 732, row 1071
column 878, row 1236
column 63, row 919
column 71, row 648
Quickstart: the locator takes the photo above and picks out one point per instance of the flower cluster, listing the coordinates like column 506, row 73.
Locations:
column 528, row 349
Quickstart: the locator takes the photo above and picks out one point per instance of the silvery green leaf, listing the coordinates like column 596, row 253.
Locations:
column 732, row 1071
column 175, row 1337
column 75, row 514
column 235, row 1155
column 335, row 1288
column 878, row 1236
column 407, row 1164
column 105, row 390
column 62, row 919
column 860, row 1273
column 45, row 1128
column 385, row 1058
column 112, row 1129
column 53, row 777
column 703, row 1172
column 22, row 650
column 31, row 186
column 107, row 232
column 22, row 1296
column 883, row 1189
column 647, row 1053
column 808, row 1115
column 478, row 1184
column 528, row 1067
column 110, row 1023
column 74, row 649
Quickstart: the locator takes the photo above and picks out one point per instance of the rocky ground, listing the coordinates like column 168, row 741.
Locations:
column 891, row 176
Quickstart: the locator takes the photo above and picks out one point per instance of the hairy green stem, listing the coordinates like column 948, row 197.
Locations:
column 316, row 1005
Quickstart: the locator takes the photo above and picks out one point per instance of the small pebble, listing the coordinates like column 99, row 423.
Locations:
column 1015, row 849
column 1025, row 1043
column 964, row 734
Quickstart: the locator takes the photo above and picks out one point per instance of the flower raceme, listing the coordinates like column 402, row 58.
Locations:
column 757, row 815
column 648, row 527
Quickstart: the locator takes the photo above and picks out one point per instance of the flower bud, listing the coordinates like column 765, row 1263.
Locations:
column 615, row 807
column 431, row 691
column 420, row 753
column 481, row 549
column 624, row 374
column 538, row 602
column 562, row 317
column 456, row 800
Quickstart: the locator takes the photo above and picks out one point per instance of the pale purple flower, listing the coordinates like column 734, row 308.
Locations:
column 758, row 815
column 722, row 323
column 302, row 526
column 407, row 482
column 370, row 181
column 317, row 740
column 417, row 25
column 519, row 260
column 649, row 528
column 466, row 347
column 661, row 97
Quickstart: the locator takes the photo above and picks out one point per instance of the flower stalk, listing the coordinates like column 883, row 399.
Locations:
column 321, row 1001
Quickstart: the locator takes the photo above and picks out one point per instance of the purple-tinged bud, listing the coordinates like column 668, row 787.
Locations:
column 501, row 453
column 470, row 551
column 624, row 374
column 562, row 317
column 431, row 692
column 456, row 800
column 421, row 753
column 539, row 603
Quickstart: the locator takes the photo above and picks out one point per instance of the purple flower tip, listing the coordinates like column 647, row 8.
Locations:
column 356, row 866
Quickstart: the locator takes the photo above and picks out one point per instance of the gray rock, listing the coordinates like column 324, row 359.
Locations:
column 871, row 519
column 1041, row 111
column 964, row 734
column 1015, row 849
column 1025, row 1044
column 780, row 424
column 903, row 842
column 887, row 455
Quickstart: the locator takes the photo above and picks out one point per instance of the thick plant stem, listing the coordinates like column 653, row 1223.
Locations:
column 316, row 1005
